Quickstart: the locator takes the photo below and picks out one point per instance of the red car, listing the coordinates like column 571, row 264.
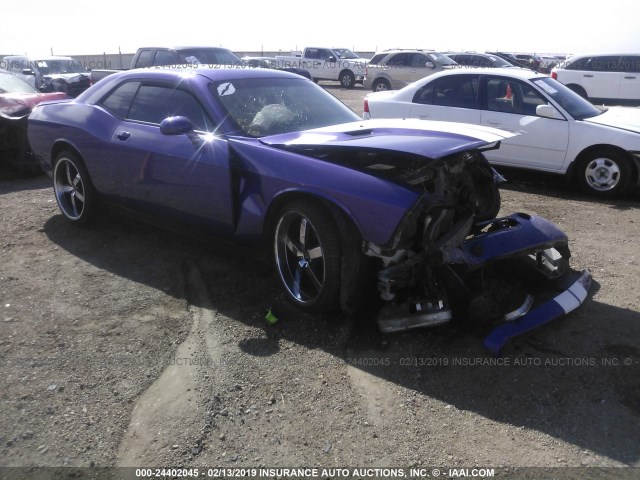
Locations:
column 17, row 99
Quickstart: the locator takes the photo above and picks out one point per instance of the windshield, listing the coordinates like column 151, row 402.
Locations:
column 210, row 56
column 9, row 83
column 574, row 104
column 345, row 53
column 499, row 62
column 48, row 67
column 441, row 59
column 268, row 106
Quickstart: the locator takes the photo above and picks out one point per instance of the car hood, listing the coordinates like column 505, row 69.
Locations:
column 67, row 77
column 20, row 104
column 420, row 137
column 625, row 118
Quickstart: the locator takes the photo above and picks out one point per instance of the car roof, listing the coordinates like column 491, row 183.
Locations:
column 181, row 47
column 515, row 72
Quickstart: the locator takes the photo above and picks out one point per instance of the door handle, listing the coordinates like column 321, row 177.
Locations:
column 123, row 135
column 588, row 76
column 493, row 122
column 630, row 77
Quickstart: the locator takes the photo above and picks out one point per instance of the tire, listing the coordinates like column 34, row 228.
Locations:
column 307, row 254
column 347, row 79
column 74, row 192
column 381, row 85
column 604, row 173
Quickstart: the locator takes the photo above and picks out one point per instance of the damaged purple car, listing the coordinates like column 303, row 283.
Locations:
column 270, row 159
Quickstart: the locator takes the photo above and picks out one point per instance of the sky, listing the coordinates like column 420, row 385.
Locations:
column 74, row 27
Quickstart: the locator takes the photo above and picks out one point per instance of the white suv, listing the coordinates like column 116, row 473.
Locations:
column 394, row 69
column 602, row 77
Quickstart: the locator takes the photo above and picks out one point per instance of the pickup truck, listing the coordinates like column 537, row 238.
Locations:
column 328, row 64
column 157, row 56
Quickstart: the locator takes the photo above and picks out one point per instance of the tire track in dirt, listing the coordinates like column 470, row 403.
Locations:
column 171, row 411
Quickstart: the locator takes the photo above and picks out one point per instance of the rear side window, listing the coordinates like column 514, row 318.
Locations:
column 119, row 100
column 424, row 95
column 456, row 91
column 144, row 59
column 154, row 103
column 165, row 57
column 578, row 64
column 377, row 58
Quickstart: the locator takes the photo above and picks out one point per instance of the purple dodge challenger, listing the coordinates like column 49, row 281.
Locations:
column 268, row 158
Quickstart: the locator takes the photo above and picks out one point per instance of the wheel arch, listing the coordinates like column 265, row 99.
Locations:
column 355, row 265
column 572, row 172
column 339, row 213
column 61, row 145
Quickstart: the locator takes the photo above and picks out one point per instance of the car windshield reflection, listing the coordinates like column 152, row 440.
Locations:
column 269, row 106
column 578, row 107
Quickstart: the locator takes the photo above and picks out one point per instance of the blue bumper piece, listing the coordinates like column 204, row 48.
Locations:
column 570, row 299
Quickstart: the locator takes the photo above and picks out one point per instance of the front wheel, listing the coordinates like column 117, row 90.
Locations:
column 347, row 79
column 74, row 193
column 307, row 255
column 604, row 173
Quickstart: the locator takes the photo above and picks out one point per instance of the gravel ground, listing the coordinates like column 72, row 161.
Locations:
column 125, row 345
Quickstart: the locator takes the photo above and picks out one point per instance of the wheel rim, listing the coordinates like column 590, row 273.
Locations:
column 69, row 189
column 346, row 81
column 299, row 257
column 602, row 174
column 381, row 86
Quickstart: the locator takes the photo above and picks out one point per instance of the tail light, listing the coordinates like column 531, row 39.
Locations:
column 554, row 75
column 366, row 71
column 366, row 106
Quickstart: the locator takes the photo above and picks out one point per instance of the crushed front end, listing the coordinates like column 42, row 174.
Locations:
column 451, row 259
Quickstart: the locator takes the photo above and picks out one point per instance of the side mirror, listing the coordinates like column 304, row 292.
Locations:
column 176, row 126
column 331, row 59
column 548, row 111
column 430, row 65
column 28, row 71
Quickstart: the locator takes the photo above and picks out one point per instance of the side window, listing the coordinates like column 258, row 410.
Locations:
column 481, row 62
column 419, row 61
column 605, row 64
column 400, row 60
column 424, row 95
column 154, row 103
column 324, row 54
column 119, row 100
column 456, row 91
column 579, row 64
column 144, row 59
column 312, row 53
column 165, row 57
column 630, row 63
column 510, row 96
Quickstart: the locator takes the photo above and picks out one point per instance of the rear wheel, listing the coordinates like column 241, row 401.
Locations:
column 381, row 85
column 307, row 255
column 604, row 173
column 74, row 193
column 347, row 79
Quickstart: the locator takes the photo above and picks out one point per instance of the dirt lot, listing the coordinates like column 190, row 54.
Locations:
column 126, row 345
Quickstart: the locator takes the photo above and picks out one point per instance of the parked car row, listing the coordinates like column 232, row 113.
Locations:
column 558, row 131
column 17, row 99
column 269, row 159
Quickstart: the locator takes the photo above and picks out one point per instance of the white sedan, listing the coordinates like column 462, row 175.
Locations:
column 560, row 132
